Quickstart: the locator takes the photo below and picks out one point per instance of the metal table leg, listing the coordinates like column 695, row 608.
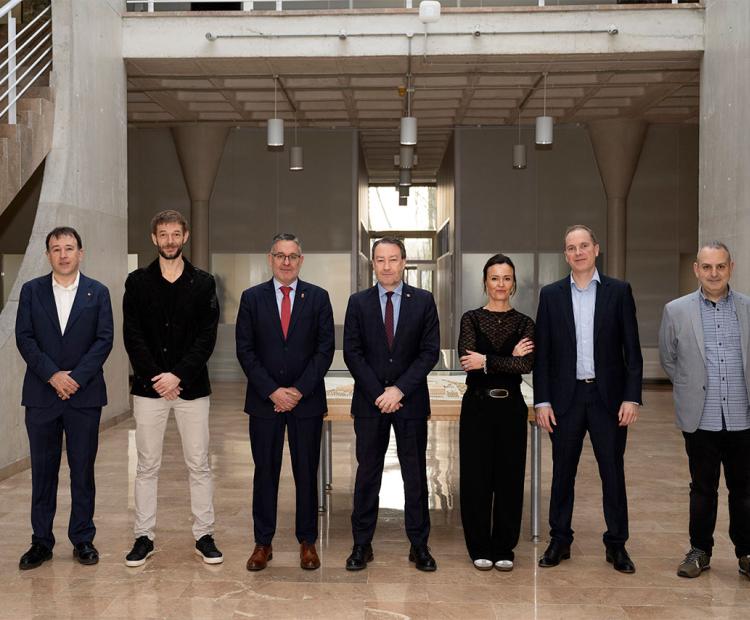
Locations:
column 536, row 479
column 328, row 435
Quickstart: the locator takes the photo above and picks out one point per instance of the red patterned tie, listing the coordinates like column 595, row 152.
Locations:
column 286, row 309
column 389, row 319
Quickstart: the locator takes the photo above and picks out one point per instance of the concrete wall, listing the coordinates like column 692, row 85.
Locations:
column 725, row 133
column 445, row 283
column 84, row 186
column 527, row 211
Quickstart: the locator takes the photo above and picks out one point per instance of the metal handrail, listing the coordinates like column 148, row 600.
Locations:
column 12, row 4
column 26, row 27
column 25, row 58
column 25, row 73
column 25, row 88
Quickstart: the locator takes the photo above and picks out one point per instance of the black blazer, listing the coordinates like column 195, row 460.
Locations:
column 416, row 349
column 300, row 361
column 83, row 348
column 618, row 363
column 179, row 340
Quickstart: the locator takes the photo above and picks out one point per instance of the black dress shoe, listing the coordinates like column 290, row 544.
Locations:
column 420, row 555
column 86, row 553
column 554, row 554
column 619, row 558
column 35, row 556
column 360, row 556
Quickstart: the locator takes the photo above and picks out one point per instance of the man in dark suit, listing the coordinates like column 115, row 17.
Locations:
column 587, row 377
column 64, row 334
column 391, row 343
column 285, row 344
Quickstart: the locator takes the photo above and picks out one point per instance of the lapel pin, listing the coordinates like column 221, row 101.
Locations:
column 408, row 294
column 302, row 296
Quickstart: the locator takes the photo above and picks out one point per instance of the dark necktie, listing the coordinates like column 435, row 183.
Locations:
column 389, row 319
column 286, row 309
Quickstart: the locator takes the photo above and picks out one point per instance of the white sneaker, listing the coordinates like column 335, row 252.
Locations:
column 504, row 565
column 482, row 564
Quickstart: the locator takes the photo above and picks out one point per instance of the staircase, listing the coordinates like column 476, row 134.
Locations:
column 24, row 143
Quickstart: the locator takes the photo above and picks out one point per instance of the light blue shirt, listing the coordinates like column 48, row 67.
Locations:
column 584, row 304
column 279, row 295
column 395, row 300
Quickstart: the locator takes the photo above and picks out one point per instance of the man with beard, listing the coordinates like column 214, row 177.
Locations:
column 171, row 315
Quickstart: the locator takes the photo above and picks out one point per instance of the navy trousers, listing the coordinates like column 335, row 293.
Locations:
column 588, row 413
column 267, row 445
column 373, row 434
column 46, row 427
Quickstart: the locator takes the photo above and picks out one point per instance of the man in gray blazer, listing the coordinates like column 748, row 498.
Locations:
column 703, row 346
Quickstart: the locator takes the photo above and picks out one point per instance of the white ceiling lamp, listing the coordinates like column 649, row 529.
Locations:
column 519, row 149
column 296, row 162
column 408, row 122
column 429, row 11
column 544, row 124
column 275, row 125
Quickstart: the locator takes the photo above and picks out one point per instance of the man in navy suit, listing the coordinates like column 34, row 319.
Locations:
column 64, row 334
column 391, row 343
column 285, row 344
column 587, row 377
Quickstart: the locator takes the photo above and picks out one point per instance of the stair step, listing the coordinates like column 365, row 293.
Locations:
column 33, row 104
column 40, row 92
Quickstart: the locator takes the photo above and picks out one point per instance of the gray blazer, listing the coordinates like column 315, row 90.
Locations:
column 682, row 354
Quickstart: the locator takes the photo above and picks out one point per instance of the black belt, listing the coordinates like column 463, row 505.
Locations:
column 592, row 380
column 492, row 393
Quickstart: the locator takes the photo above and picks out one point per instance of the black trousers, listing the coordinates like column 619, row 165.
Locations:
column 588, row 413
column 707, row 452
column 492, row 442
column 45, row 427
column 373, row 435
column 267, row 445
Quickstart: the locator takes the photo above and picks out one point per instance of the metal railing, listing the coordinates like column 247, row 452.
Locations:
column 17, row 73
column 151, row 6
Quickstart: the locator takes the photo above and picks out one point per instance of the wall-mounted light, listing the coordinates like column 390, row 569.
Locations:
column 544, row 124
column 275, row 125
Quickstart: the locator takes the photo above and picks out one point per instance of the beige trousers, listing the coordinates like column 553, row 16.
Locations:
column 151, row 416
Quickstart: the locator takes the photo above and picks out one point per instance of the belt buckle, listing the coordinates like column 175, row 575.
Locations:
column 499, row 393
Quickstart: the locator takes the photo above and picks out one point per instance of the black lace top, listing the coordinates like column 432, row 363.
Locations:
column 495, row 334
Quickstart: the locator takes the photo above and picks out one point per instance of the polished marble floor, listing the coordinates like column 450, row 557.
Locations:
column 176, row 584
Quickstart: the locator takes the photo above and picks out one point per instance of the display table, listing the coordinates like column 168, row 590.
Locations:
column 446, row 391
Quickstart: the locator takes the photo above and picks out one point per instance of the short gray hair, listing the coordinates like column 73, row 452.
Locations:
column 575, row 227
column 286, row 237
column 714, row 245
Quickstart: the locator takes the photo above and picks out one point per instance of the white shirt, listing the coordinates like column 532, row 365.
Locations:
column 280, row 295
column 64, row 298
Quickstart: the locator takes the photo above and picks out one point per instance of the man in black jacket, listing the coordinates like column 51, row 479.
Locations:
column 171, row 316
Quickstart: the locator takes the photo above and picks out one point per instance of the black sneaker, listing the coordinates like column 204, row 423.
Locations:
column 142, row 549
column 206, row 548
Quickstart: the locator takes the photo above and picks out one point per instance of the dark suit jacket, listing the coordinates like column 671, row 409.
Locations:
column 83, row 348
column 300, row 361
column 416, row 349
column 618, row 363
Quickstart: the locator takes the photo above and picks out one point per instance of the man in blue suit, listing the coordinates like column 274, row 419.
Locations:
column 587, row 377
column 391, row 343
column 64, row 334
column 285, row 344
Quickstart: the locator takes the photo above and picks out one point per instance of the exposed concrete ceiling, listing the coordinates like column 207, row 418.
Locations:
column 368, row 94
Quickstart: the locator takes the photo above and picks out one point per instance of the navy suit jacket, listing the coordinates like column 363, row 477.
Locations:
column 618, row 364
column 416, row 349
column 300, row 361
column 82, row 349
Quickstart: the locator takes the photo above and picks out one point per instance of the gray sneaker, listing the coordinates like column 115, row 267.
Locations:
column 745, row 565
column 695, row 562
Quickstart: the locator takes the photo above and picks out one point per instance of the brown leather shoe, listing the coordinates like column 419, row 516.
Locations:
column 308, row 557
column 260, row 557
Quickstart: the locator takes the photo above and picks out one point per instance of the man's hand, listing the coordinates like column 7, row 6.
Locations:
column 173, row 395
column 628, row 413
column 165, row 384
column 63, row 384
column 545, row 418
column 285, row 399
column 390, row 400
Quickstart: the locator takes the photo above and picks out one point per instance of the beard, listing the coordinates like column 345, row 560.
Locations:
column 163, row 252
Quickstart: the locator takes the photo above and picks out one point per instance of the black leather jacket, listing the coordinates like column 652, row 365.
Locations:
column 174, row 335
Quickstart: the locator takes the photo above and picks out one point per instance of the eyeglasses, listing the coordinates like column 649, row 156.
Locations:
column 280, row 257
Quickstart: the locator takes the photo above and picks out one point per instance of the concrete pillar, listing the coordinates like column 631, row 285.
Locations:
column 724, row 190
column 617, row 147
column 199, row 148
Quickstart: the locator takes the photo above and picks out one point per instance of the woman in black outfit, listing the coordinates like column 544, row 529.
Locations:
column 496, row 347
